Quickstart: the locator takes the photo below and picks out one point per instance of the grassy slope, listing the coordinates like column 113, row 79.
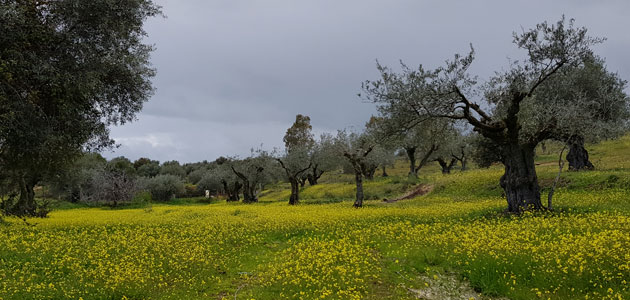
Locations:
column 325, row 249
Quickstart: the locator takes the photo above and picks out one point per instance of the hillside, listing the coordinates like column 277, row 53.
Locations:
column 453, row 243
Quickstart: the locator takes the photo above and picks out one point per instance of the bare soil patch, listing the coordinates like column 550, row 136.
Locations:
column 419, row 190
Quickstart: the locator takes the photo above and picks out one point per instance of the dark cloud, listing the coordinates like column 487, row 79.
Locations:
column 233, row 74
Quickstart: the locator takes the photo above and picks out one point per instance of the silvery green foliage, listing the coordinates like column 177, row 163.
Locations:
column 296, row 159
column 383, row 155
column 213, row 181
column 150, row 170
column 164, row 187
column 255, row 171
column 453, row 141
column 222, row 175
column 68, row 70
column 585, row 100
column 357, row 145
column 76, row 181
column 513, row 99
column 173, row 168
column 323, row 154
column 196, row 175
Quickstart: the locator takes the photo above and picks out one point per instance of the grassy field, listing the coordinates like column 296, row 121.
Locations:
column 453, row 243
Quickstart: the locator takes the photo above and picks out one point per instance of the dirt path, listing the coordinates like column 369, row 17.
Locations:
column 420, row 190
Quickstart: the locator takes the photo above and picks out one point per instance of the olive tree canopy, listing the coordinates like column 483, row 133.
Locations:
column 68, row 70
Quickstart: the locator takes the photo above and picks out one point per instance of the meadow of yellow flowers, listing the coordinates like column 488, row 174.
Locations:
column 332, row 251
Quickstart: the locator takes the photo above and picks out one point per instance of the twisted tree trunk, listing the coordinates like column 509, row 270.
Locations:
column 426, row 157
column 358, row 202
column 411, row 154
column 368, row 171
column 358, row 160
column 446, row 167
column 249, row 188
column 578, row 156
column 302, row 180
column 232, row 192
column 26, row 205
column 249, row 192
column 293, row 176
column 520, row 182
column 314, row 176
column 295, row 192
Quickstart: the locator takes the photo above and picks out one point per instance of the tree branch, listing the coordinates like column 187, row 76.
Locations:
column 542, row 77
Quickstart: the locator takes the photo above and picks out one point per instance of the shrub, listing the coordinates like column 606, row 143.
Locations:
column 142, row 198
column 163, row 187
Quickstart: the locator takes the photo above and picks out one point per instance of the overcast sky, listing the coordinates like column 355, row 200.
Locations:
column 233, row 74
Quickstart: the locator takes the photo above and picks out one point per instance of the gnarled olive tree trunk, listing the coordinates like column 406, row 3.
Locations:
column 249, row 188
column 357, row 160
column 368, row 171
column 233, row 191
column 358, row 202
column 520, row 182
column 293, row 176
column 295, row 192
column 26, row 206
column 314, row 176
column 411, row 154
column 249, row 192
column 578, row 156
column 446, row 167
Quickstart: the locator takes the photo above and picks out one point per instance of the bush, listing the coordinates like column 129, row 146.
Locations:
column 142, row 198
column 190, row 190
column 163, row 187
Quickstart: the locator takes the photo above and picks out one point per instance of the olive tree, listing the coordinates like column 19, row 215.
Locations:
column 113, row 186
column 68, row 70
column 454, row 147
column 509, row 118
column 223, row 174
column 602, row 114
column 419, row 140
column 164, row 187
column 356, row 148
column 149, row 170
column 294, row 163
column 210, row 181
column 323, row 158
column 76, row 181
column 254, row 172
column 383, row 154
